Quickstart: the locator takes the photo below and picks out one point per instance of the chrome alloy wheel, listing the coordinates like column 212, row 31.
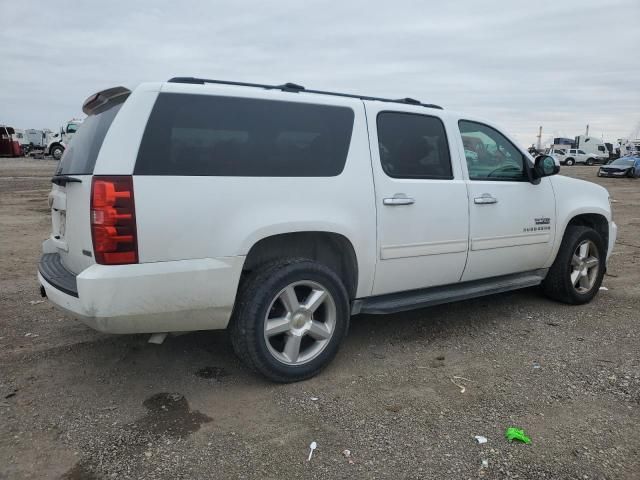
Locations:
column 585, row 265
column 300, row 322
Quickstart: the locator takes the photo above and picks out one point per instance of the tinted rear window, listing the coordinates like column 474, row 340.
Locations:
column 80, row 155
column 413, row 146
column 229, row 136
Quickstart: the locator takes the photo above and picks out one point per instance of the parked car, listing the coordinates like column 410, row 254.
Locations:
column 622, row 167
column 576, row 155
column 278, row 212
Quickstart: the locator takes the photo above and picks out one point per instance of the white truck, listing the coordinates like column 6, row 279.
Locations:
column 593, row 147
column 278, row 212
column 58, row 141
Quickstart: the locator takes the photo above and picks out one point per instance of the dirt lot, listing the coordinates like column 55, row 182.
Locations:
column 77, row 404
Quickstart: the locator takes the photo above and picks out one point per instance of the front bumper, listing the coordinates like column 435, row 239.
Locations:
column 613, row 234
column 622, row 173
column 172, row 296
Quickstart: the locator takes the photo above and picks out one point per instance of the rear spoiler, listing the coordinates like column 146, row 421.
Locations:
column 100, row 99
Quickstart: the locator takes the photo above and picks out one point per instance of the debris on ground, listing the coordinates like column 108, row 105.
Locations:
column 485, row 463
column 461, row 387
column 480, row 439
column 346, row 453
column 604, row 288
column 29, row 334
column 12, row 393
column 35, row 302
column 514, row 433
column 314, row 399
column 212, row 373
column 312, row 447
column 536, row 365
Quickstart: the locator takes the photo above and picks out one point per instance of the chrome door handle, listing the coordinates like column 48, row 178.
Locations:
column 485, row 199
column 398, row 199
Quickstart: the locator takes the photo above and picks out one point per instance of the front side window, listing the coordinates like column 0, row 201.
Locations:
column 581, row 152
column 490, row 156
column 413, row 146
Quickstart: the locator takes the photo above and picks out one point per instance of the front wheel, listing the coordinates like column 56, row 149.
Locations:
column 576, row 274
column 569, row 162
column 290, row 318
column 56, row 152
column 632, row 173
column 590, row 161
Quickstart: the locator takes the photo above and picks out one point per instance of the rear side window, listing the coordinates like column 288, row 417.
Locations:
column 80, row 155
column 413, row 146
column 228, row 136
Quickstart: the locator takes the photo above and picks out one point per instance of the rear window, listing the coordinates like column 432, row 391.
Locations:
column 80, row 155
column 413, row 146
column 229, row 136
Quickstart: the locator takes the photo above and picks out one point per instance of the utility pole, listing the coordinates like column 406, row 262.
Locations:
column 540, row 138
column 587, row 132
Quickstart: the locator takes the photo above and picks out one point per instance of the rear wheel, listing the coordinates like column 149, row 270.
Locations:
column 569, row 162
column 290, row 318
column 576, row 274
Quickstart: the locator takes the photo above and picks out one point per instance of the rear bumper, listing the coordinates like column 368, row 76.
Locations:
column 173, row 296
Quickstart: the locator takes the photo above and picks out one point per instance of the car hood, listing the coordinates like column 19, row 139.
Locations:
column 584, row 186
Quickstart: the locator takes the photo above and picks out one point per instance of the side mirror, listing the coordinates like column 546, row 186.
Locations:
column 545, row 166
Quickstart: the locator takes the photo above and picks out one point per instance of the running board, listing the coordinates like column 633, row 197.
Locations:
column 413, row 299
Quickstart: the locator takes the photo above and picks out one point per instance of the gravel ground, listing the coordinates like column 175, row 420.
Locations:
column 77, row 404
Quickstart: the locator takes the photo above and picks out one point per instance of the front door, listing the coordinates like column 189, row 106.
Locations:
column 421, row 200
column 512, row 221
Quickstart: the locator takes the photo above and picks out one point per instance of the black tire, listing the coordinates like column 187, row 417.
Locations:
column 57, row 151
column 569, row 161
column 257, row 294
column 631, row 173
column 557, row 284
column 590, row 161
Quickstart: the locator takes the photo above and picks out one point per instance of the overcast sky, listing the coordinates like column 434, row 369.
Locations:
column 559, row 64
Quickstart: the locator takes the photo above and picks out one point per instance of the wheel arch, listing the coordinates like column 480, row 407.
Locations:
column 55, row 144
column 596, row 221
column 332, row 249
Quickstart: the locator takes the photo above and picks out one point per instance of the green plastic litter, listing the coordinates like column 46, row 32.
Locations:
column 513, row 433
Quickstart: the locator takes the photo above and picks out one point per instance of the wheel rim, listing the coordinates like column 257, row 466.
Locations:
column 585, row 265
column 57, row 154
column 300, row 322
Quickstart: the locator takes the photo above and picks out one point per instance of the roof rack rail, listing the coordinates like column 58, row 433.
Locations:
column 294, row 88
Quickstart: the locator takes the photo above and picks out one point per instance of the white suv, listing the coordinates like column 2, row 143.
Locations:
column 576, row 155
column 279, row 212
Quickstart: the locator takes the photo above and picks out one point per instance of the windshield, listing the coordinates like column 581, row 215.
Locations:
column 80, row 156
column 627, row 162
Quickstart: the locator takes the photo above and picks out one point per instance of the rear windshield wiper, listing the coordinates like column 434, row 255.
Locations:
column 62, row 180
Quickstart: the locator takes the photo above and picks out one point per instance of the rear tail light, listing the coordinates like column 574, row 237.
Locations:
column 113, row 220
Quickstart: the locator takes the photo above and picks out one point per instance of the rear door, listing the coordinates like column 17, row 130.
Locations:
column 71, row 192
column 421, row 200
